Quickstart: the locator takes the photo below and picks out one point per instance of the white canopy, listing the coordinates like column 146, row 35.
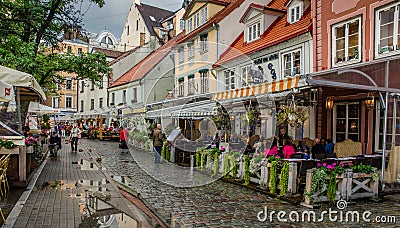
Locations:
column 6, row 92
column 35, row 107
column 21, row 79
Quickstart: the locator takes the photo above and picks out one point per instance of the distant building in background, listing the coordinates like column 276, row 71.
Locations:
column 141, row 25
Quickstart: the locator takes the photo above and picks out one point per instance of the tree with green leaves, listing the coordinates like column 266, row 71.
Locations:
column 30, row 31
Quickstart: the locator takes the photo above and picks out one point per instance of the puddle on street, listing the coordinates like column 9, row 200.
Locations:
column 88, row 165
column 122, row 180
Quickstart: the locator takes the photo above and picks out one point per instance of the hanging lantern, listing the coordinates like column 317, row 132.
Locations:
column 329, row 103
column 370, row 101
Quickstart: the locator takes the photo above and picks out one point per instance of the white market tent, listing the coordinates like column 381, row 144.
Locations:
column 37, row 108
column 6, row 92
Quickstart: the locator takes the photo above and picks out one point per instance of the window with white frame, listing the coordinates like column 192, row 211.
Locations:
column 112, row 99
column 203, row 43
column 245, row 77
column 82, row 106
column 346, row 42
column 295, row 13
column 82, row 86
column 229, row 79
column 55, row 102
column 191, row 88
column 387, row 29
column 189, row 25
column 100, row 102
column 291, row 63
column 68, row 84
column 124, row 96
column 182, row 24
column 196, row 20
column 204, row 15
column 181, row 88
column 204, row 82
column 134, row 100
column 68, row 102
column 191, row 50
column 91, row 104
column 180, row 55
column 253, row 31
column 92, row 86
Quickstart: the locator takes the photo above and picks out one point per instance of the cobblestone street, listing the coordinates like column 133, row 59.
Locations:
column 216, row 204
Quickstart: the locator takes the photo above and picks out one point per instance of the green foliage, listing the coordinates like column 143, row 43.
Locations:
column 226, row 165
column 317, row 184
column 252, row 118
column 255, row 162
column 45, row 122
column 233, row 166
column 203, row 159
column 8, row 144
column 221, row 118
column 284, row 180
column 246, row 161
column 291, row 116
column 332, row 187
column 147, row 145
column 199, row 152
column 273, row 177
column 361, row 168
column 216, row 164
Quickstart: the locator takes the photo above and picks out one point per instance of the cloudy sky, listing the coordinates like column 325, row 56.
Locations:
column 113, row 14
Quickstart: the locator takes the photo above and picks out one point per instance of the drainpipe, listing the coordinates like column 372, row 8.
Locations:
column 385, row 125
column 216, row 26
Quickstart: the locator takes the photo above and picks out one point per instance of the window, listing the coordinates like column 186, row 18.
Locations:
column 181, row 88
column 69, row 49
column 112, row 99
column 253, row 31
column 295, row 13
column 68, row 84
column 291, row 63
column 101, row 84
column 388, row 35
column 58, row 86
column 191, row 88
column 92, row 86
column 229, row 79
column 203, row 43
column 68, row 102
column 110, row 42
column 204, row 82
column 204, row 15
column 124, row 47
column 346, row 125
column 137, row 25
column 127, row 30
column 100, row 102
column 245, row 77
column 124, row 96
column 196, row 20
column 393, row 125
column 191, row 50
column 346, row 42
column 82, row 86
column 182, row 24
column 55, row 102
column 189, row 25
column 134, row 100
column 91, row 104
column 79, row 51
column 82, row 107
column 180, row 55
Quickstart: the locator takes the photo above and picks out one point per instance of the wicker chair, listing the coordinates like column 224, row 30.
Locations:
column 348, row 148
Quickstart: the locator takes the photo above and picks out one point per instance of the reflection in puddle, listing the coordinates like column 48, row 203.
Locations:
column 88, row 165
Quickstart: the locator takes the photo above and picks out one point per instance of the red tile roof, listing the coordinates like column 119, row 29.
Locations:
column 140, row 70
column 278, row 32
column 279, row 4
column 218, row 2
column 215, row 19
column 108, row 53
column 125, row 54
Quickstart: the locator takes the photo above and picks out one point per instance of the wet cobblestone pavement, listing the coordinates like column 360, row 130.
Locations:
column 215, row 204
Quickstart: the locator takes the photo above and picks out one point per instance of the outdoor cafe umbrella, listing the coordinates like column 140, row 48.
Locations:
column 35, row 107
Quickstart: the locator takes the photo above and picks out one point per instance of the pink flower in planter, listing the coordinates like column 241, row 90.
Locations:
column 350, row 163
column 341, row 164
column 280, row 162
column 250, row 156
column 174, row 144
column 334, row 164
column 324, row 165
column 278, row 156
column 330, row 167
column 319, row 165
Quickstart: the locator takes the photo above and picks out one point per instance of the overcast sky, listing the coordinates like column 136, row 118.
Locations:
column 113, row 14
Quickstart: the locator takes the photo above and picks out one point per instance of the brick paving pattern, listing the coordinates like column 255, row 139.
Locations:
column 216, row 204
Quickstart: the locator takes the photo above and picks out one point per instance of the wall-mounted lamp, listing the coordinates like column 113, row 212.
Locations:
column 232, row 117
column 370, row 101
column 329, row 103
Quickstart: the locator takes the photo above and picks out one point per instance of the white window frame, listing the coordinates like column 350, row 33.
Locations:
column 91, row 104
column 189, row 25
column 191, row 86
column 230, row 79
column 253, row 31
column 112, row 98
column 181, row 56
column 190, row 46
column 181, row 88
column 347, row 119
column 182, row 24
column 204, row 82
column 245, row 80
column 204, row 15
column 295, row 13
column 66, row 101
column 203, row 43
column 196, row 20
column 390, row 50
column 66, row 84
column 100, row 102
column 291, row 62
column 55, row 102
column 346, row 47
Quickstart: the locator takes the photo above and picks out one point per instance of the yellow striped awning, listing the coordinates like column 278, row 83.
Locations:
column 133, row 111
column 260, row 89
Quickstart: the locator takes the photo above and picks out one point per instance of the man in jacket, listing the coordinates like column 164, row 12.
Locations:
column 158, row 143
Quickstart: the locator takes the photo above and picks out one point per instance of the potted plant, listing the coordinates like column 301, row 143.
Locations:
column 291, row 115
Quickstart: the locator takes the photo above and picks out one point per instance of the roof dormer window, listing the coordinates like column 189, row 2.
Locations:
column 295, row 12
column 253, row 31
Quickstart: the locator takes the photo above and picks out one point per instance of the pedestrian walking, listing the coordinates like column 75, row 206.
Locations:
column 63, row 131
column 75, row 133
column 123, row 136
column 157, row 142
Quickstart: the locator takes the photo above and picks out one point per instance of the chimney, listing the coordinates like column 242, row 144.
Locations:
column 142, row 39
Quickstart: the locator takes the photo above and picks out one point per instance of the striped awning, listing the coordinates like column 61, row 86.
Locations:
column 129, row 111
column 261, row 89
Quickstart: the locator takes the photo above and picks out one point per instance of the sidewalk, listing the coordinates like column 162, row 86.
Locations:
column 211, row 203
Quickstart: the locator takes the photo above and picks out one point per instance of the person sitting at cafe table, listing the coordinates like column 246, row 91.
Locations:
column 282, row 136
column 302, row 147
column 273, row 150
column 318, row 150
column 288, row 149
column 329, row 147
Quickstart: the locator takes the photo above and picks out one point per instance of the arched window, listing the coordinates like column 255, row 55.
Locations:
column 104, row 40
column 110, row 41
